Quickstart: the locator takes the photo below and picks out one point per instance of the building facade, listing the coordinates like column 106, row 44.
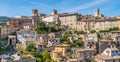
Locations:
column 108, row 55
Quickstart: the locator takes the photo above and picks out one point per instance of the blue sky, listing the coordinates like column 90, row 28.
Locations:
column 24, row 7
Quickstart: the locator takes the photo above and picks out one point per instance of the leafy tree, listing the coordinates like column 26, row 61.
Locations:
column 66, row 42
column 79, row 43
column 64, row 39
column 58, row 24
column 112, row 42
column 72, row 44
column 41, row 23
column 114, row 29
column 69, row 32
column 104, row 31
column 79, row 32
column 30, row 47
column 3, row 47
column 92, row 31
column 53, row 29
column 45, row 55
column 42, row 28
column 39, row 59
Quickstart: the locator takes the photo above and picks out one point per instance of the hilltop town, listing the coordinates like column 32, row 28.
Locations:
column 60, row 37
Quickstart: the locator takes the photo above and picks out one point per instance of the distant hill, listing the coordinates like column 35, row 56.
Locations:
column 3, row 19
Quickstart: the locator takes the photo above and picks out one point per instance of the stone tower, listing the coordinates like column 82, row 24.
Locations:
column 34, row 12
column 54, row 12
column 35, row 17
column 96, row 12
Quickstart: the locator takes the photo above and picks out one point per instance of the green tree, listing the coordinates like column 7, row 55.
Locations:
column 39, row 59
column 114, row 29
column 58, row 24
column 42, row 28
column 66, row 42
column 92, row 31
column 41, row 24
column 69, row 32
column 79, row 43
column 30, row 47
column 64, row 39
column 3, row 47
column 45, row 55
column 112, row 42
column 104, row 31
column 79, row 32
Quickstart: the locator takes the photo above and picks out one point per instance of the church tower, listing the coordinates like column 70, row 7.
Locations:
column 96, row 12
column 34, row 12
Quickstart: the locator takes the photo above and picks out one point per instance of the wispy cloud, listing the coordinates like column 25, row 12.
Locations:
column 85, row 6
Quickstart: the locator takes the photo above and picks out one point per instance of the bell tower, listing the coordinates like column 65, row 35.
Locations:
column 34, row 12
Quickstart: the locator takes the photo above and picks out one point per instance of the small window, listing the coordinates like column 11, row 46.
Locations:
column 116, row 51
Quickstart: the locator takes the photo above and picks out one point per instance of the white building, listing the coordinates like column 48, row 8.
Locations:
column 24, row 35
column 50, row 18
column 109, row 55
column 92, row 38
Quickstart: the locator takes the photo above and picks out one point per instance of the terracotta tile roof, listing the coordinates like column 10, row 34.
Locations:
column 112, row 48
column 105, row 57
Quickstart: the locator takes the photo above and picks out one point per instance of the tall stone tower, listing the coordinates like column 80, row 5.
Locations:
column 96, row 12
column 35, row 17
column 34, row 12
column 54, row 12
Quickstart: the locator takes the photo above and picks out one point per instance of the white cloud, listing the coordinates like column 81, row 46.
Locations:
column 85, row 6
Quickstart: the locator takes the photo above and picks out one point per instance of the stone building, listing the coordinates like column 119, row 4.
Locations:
column 53, row 39
column 19, row 22
column 102, row 45
column 115, row 35
column 4, row 30
column 59, row 51
column 108, row 55
column 50, row 18
column 11, row 42
column 69, row 19
column 34, row 12
column 24, row 35
column 85, row 54
column 87, row 23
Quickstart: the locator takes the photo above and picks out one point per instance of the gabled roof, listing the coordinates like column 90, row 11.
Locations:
column 113, row 48
column 105, row 57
